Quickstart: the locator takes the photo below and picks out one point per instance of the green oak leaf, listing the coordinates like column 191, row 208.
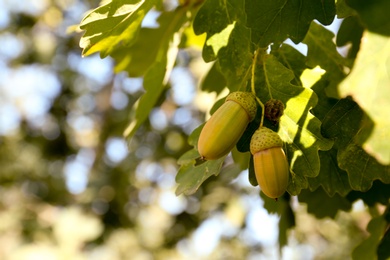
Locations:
column 151, row 45
column 275, row 21
column 214, row 80
column 159, row 69
column 321, row 205
column 378, row 193
column 298, row 127
column 383, row 249
column 331, row 177
column 283, row 208
column 115, row 23
column 194, row 136
column 350, row 31
column 227, row 39
column 217, row 18
column 135, row 61
column 191, row 175
column 193, row 171
column 292, row 59
column 343, row 10
column 368, row 84
column 368, row 248
column 322, row 52
column 286, row 222
column 361, row 167
column 251, row 173
column 153, row 84
column 374, row 14
column 236, row 58
column 241, row 159
column 346, row 123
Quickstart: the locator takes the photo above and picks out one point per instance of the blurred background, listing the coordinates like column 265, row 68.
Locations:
column 71, row 187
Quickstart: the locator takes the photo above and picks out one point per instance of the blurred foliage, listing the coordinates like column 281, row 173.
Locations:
column 71, row 187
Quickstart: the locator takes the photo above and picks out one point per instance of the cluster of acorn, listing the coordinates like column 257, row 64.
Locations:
column 225, row 127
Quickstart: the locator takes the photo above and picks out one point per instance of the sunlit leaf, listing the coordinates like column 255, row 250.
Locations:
column 298, row 127
column 322, row 52
column 114, row 23
column 292, row 59
column 216, row 18
column 152, row 44
column 153, row 84
column 227, row 38
column 235, row 59
column 160, row 66
column 192, row 175
column 368, row 84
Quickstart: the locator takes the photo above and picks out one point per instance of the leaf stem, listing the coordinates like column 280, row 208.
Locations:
column 254, row 62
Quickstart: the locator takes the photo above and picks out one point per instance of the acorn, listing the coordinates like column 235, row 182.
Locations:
column 270, row 162
column 225, row 127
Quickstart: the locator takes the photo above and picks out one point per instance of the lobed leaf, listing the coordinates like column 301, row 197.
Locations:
column 322, row 52
column 214, row 80
column 227, row 39
column 368, row 84
column 275, row 21
column 350, row 31
column 368, row 248
column 297, row 127
column 115, row 23
column 332, row 179
column 216, row 19
column 374, row 14
column 292, row 59
column 235, row 59
column 152, row 44
column 283, row 208
column 347, row 123
column 321, row 205
column 343, row 10
column 153, row 84
column 191, row 176
column 159, row 67
column 378, row 193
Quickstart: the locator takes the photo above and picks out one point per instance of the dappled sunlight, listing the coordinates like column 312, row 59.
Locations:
column 74, row 186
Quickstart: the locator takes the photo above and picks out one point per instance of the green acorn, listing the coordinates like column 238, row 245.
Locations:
column 270, row 162
column 225, row 127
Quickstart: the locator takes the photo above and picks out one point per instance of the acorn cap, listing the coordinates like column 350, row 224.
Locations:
column 246, row 100
column 264, row 138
